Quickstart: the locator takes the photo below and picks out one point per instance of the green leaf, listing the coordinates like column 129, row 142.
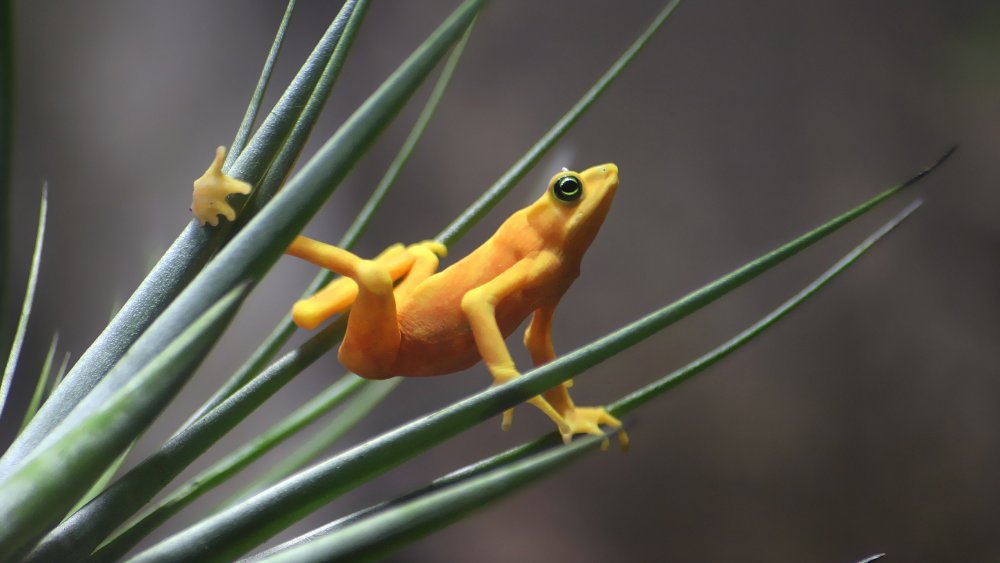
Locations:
column 40, row 492
column 253, row 108
column 643, row 395
column 61, row 371
column 281, row 333
column 369, row 397
column 251, row 522
column 348, row 22
column 258, row 246
column 215, row 475
column 361, row 222
column 178, row 266
column 29, row 298
column 77, row 536
column 40, row 384
column 389, row 530
column 385, row 527
column 103, row 481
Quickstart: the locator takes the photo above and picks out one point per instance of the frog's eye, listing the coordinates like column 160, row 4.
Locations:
column 567, row 188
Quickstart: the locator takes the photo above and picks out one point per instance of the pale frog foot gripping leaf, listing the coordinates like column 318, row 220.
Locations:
column 211, row 190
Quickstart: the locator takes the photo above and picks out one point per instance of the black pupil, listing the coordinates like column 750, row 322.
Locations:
column 568, row 188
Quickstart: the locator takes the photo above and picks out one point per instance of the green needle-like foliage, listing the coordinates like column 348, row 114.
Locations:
column 42, row 383
column 389, row 530
column 250, row 116
column 29, row 299
column 40, row 492
column 58, row 494
column 253, row 521
column 258, row 246
column 217, row 474
column 182, row 261
column 386, row 527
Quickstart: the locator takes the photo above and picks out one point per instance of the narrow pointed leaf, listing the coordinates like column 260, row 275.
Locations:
column 41, row 383
column 369, row 397
column 245, row 525
column 217, row 474
column 61, row 371
column 388, row 531
column 77, row 536
column 29, row 298
column 353, row 14
column 253, row 108
column 258, row 246
column 103, row 481
column 410, row 503
column 281, row 333
column 37, row 496
column 178, row 266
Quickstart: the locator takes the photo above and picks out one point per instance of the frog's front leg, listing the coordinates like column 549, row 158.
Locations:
column 210, row 191
column 479, row 306
column 538, row 341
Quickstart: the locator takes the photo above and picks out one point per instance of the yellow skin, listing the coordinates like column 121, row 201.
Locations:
column 409, row 320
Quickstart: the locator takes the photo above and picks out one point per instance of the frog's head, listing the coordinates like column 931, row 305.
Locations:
column 581, row 200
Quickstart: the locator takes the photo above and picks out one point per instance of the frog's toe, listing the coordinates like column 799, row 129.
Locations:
column 435, row 247
column 588, row 420
column 508, row 419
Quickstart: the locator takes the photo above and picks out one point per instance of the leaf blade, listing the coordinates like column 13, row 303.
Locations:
column 36, row 496
column 253, row 108
column 41, row 383
column 29, row 299
column 186, row 256
column 258, row 246
column 385, row 527
column 235, row 530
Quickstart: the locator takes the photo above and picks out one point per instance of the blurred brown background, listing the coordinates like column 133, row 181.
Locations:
column 867, row 421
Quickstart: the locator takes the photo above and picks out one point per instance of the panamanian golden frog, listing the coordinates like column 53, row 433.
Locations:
column 407, row 319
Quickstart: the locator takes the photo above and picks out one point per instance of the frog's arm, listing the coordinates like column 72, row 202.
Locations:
column 479, row 305
column 211, row 190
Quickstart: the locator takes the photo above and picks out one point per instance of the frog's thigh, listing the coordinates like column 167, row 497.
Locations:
column 371, row 342
column 372, row 338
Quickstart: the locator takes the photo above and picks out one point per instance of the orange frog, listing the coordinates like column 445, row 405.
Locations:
column 407, row 319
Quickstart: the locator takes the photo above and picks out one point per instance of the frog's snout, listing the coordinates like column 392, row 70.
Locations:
column 610, row 173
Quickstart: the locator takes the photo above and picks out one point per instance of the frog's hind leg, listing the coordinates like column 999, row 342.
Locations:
column 579, row 420
column 340, row 293
column 372, row 339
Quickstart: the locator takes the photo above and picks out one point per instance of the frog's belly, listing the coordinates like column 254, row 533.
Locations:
column 440, row 341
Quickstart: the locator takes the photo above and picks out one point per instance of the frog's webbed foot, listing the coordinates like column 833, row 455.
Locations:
column 211, row 190
column 588, row 420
